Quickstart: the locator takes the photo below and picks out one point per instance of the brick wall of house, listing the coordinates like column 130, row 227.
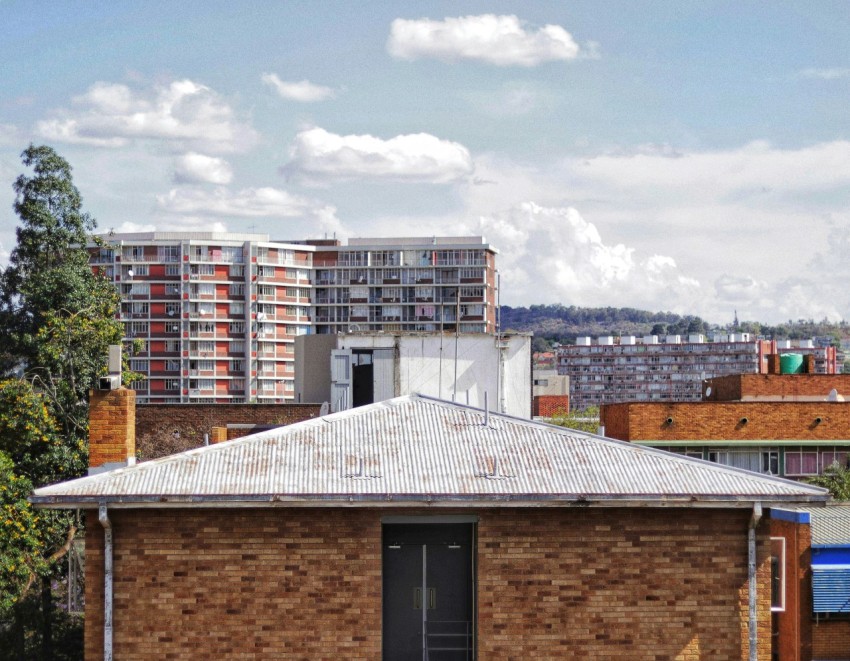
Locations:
column 725, row 420
column 831, row 639
column 547, row 406
column 776, row 386
column 157, row 424
column 793, row 626
column 306, row 584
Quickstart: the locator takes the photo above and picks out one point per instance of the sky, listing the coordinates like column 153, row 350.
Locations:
column 667, row 156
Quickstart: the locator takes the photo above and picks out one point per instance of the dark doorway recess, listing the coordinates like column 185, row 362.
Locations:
column 429, row 592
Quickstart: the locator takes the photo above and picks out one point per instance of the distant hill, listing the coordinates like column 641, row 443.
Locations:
column 562, row 324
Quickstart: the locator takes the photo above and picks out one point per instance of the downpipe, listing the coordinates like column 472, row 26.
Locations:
column 751, row 575
column 103, row 517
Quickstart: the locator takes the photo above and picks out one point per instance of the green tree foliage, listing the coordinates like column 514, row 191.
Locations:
column 57, row 319
column 836, row 478
column 586, row 420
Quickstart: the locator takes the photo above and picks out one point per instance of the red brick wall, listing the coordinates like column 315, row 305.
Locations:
column 191, row 421
column 306, row 584
column 776, row 386
column 831, row 639
column 723, row 420
column 546, row 406
column 794, row 625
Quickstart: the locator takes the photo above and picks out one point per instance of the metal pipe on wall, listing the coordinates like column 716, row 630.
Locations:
column 103, row 517
column 751, row 576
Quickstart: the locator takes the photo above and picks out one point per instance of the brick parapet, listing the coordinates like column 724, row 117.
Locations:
column 548, row 406
column 733, row 421
column 738, row 387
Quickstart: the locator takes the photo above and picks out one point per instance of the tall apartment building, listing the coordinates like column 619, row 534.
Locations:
column 405, row 285
column 670, row 368
column 216, row 314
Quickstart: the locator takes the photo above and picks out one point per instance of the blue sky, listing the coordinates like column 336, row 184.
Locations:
column 691, row 157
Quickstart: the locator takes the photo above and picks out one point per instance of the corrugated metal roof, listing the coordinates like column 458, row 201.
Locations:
column 416, row 449
column 830, row 525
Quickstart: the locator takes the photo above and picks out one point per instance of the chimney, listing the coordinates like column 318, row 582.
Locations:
column 112, row 420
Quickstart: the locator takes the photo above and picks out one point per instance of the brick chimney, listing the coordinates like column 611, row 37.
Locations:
column 112, row 429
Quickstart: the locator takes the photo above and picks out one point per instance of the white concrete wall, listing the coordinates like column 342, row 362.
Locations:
column 426, row 365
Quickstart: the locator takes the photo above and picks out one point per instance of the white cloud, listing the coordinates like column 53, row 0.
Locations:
column 499, row 40
column 198, row 168
column 319, row 155
column 825, row 74
column 248, row 203
column 9, row 135
column 184, row 115
column 552, row 254
column 303, row 91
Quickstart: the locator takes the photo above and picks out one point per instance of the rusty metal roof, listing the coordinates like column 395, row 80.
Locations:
column 418, row 450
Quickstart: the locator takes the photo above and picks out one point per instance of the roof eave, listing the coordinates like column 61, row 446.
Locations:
column 426, row 500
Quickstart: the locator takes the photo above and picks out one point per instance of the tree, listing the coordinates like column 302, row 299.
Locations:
column 586, row 420
column 57, row 318
column 836, row 478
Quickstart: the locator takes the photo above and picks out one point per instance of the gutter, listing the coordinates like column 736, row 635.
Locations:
column 103, row 517
column 751, row 576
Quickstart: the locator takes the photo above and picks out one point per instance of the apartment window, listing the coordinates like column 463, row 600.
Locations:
column 172, row 384
column 777, row 573
column 168, row 253
column 172, row 309
column 472, row 273
column 237, row 289
column 236, row 327
column 202, row 384
column 133, row 253
column 138, row 365
column 237, row 309
column 231, row 254
column 172, row 327
column 266, row 271
column 172, row 365
column 237, row 270
column 472, row 292
column 139, row 385
column 205, row 289
column 237, row 347
column 136, row 289
column 237, row 384
column 172, row 269
column 237, row 365
column 267, row 291
column 203, row 269
column 172, row 346
column 799, row 461
column 138, row 328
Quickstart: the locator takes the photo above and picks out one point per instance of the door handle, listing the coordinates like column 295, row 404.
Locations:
column 417, row 598
column 432, row 598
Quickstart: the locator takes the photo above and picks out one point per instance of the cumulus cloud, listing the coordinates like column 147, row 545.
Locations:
column 263, row 202
column 552, row 254
column 197, row 168
column 499, row 40
column 320, row 155
column 303, row 91
column 183, row 114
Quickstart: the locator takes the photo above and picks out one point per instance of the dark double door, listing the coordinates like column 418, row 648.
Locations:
column 428, row 592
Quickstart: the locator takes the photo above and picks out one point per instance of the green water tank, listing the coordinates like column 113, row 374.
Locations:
column 790, row 363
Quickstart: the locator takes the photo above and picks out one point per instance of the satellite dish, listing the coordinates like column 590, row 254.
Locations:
column 130, row 273
column 325, row 408
column 833, row 396
column 708, row 391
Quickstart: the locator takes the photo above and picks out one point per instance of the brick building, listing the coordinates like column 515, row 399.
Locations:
column 793, row 425
column 669, row 368
column 811, row 599
column 397, row 528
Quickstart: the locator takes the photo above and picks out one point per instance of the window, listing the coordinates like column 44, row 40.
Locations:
column 172, row 384
column 265, row 271
column 237, row 365
column 236, row 327
column 168, row 254
column 138, row 328
column 172, row 365
column 237, row 270
column 172, row 269
column 777, row 573
column 237, row 289
column 136, row 289
column 237, row 347
column 172, row 309
column 138, row 365
column 172, row 346
column 237, row 309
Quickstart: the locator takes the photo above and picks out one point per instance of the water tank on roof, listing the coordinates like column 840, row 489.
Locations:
column 790, row 363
